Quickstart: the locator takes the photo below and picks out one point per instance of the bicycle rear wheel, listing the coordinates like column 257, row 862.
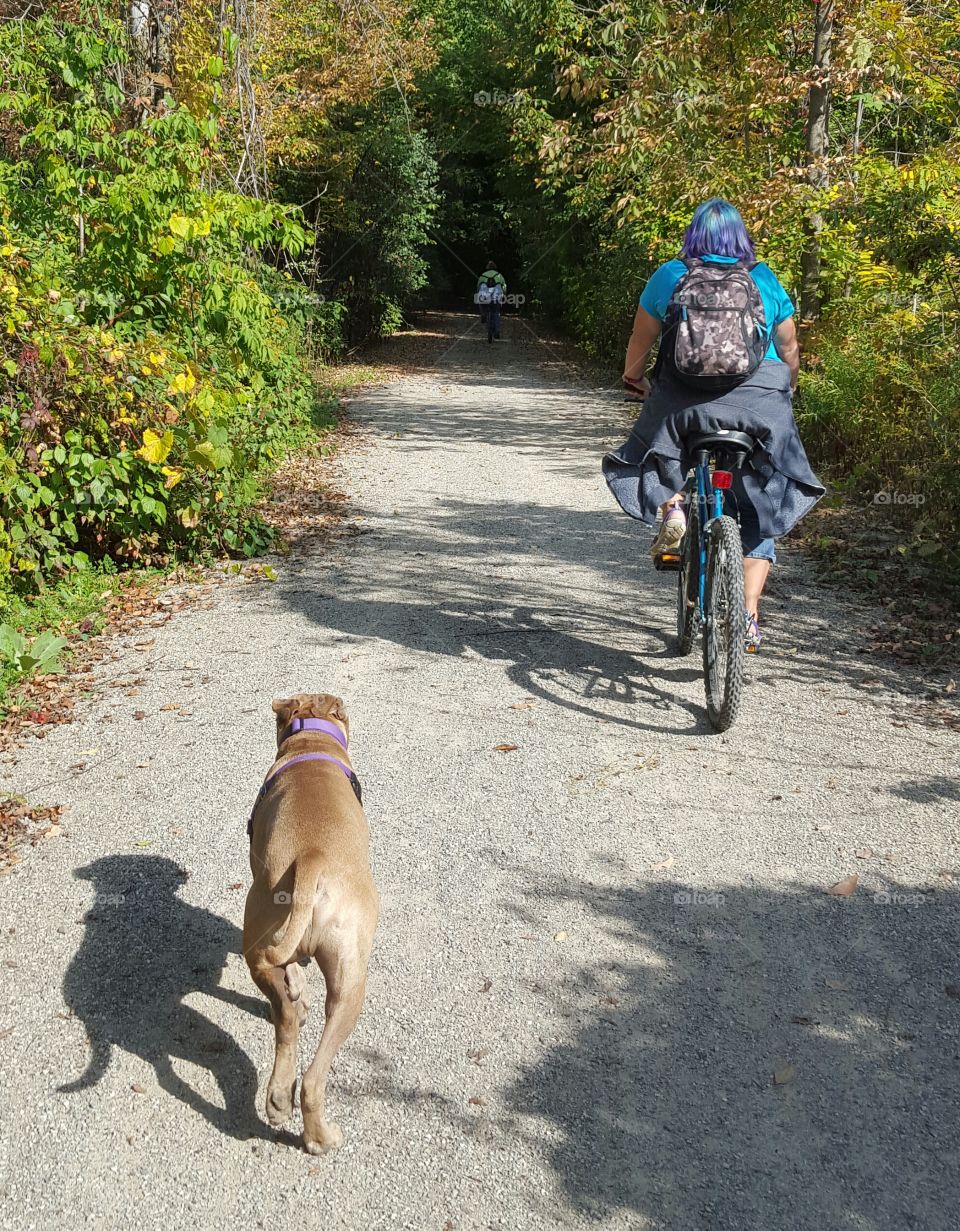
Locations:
column 688, row 580
column 724, row 635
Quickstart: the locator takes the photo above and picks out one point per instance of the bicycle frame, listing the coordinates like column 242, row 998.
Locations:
column 707, row 510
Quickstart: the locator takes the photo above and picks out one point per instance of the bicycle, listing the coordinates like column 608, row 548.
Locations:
column 710, row 567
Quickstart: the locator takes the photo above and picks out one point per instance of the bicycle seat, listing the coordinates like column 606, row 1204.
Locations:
column 737, row 442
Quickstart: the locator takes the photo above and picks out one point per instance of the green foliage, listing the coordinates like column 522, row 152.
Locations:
column 622, row 117
column 372, row 222
column 23, row 657
column 151, row 363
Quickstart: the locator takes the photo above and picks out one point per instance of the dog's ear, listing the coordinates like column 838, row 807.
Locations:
column 283, row 708
column 337, row 709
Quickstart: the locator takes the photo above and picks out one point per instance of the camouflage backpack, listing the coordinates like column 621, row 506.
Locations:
column 714, row 330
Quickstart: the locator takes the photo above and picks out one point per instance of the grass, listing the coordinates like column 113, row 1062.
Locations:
column 71, row 605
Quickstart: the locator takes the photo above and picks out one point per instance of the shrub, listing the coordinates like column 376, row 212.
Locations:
column 151, row 364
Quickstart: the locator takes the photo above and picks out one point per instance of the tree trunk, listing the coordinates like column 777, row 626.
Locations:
column 151, row 24
column 818, row 146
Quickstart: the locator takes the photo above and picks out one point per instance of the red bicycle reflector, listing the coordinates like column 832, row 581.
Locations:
column 722, row 479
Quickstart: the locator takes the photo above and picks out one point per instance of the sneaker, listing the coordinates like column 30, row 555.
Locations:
column 754, row 635
column 671, row 534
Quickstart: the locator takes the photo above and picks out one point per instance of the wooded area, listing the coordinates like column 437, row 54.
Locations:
column 201, row 200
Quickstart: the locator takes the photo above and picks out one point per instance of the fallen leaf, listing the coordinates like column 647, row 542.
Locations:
column 952, row 990
column 477, row 1100
column 478, row 1054
column 486, row 985
column 166, row 708
column 237, row 885
column 784, row 1075
column 138, row 1089
column 800, row 1019
column 609, row 1000
column 775, row 798
column 842, row 713
column 561, row 936
column 524, row 705
column 950, row 687
column 139, row 715
column 844, row 888
column 506, row 747
column 144, row 645
column 664, row 863
column 864, row 853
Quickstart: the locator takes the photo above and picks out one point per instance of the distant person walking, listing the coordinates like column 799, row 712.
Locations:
column 489, row 297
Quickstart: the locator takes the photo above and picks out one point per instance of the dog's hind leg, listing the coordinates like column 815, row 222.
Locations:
column 288, row 1015
column 346, row 984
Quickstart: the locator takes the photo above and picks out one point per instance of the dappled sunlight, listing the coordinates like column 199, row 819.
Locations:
column 719, row 1075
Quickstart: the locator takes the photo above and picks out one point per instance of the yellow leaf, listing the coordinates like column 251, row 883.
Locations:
column 183, row 382
column 173, row 475
column 155, row 448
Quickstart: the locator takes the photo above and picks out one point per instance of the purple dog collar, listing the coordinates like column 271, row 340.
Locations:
column 315, row 724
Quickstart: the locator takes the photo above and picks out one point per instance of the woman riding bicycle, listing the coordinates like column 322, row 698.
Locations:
column 719, row 306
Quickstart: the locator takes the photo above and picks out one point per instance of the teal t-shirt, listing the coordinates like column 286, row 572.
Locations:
column 777, row 304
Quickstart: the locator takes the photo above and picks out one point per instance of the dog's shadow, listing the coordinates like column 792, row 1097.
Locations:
column 143, row 952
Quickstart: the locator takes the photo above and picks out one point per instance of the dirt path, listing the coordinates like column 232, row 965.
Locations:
column 595, row 951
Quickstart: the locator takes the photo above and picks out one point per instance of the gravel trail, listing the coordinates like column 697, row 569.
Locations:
column 608, row 986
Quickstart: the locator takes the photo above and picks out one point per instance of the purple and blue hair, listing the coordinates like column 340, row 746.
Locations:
column 717, row 229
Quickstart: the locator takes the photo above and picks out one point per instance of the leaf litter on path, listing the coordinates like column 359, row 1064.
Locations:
column 844, row 888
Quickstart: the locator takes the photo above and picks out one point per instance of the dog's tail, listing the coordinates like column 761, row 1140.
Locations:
column 306, row 877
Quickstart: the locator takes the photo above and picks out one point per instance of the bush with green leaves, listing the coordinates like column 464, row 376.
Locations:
column 151, row 362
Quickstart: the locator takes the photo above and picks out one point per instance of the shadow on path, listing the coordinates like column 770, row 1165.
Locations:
column 144, row 951
column 663, row 1102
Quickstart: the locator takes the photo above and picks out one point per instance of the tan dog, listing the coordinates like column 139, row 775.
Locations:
column 312, row 896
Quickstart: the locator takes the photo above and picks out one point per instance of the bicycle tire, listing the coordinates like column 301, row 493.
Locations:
column 724, row 645
column 688, row 609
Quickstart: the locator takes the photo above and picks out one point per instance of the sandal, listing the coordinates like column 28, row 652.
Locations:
column 754, row 635
column 672, row 530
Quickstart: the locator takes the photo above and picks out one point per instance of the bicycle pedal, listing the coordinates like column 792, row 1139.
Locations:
column 668, row 562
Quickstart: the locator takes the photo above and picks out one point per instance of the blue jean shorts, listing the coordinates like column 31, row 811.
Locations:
column 755, row 547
